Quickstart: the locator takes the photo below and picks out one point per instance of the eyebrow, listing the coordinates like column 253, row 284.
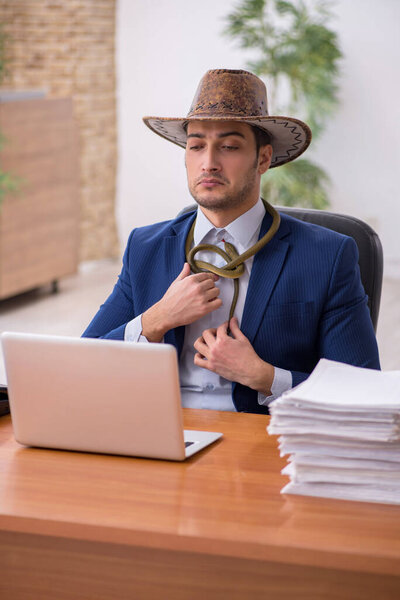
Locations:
column 220, row 135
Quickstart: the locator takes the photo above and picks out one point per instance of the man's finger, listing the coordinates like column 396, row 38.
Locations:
column 235, row 330
column 207, row 284
column 199, row 361
column 184, row 273
column 201, row 347
column 204, row 276
column 211, row 294
column 222, row 330
column 214, row 304
column 209, row 336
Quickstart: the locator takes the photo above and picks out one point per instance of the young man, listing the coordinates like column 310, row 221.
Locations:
column 298, row 295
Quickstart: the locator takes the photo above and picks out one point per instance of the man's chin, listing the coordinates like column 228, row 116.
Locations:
column 213, row 206
column 212, row 201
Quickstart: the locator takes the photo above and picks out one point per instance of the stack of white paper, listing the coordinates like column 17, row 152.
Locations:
column 3, row 377
column 341, row 430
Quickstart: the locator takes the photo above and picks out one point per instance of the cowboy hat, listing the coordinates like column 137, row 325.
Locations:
column 237, row 95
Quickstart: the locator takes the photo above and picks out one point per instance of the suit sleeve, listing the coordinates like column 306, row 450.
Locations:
column 113, row 316
column 346, row 333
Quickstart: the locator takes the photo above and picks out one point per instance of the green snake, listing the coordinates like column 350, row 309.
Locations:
column 234, row 267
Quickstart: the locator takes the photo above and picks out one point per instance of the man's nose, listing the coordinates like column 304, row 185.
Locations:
column 210, row 160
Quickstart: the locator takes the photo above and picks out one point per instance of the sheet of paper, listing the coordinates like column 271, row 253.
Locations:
column 332, row 440
column 364, row 431
column 3, row 376
column 354, row 477
column 343, row 451
column 362, row 493
column 342, row 462
column 296, row 408
column 348, row 388
column 324, row 446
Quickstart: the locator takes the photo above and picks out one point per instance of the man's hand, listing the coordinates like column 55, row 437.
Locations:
column 188, row 298
column 233, row 357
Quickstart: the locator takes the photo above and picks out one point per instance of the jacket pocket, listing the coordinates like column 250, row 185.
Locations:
column 288, row 310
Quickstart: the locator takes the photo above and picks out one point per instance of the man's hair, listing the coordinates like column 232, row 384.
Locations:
column 262, row 138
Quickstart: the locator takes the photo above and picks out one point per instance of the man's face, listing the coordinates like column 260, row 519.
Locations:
column 222, row 166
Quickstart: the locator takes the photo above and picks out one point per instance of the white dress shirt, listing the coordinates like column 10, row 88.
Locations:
column 201, row 388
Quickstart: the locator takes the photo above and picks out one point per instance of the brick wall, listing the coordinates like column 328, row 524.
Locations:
column 67, row 47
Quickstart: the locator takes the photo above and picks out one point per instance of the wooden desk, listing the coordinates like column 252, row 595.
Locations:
column 80, row 526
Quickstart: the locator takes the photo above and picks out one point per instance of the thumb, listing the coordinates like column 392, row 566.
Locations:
column 184, row 273
column 235, row 330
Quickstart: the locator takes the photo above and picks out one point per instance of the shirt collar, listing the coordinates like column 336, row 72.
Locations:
column 241, row 229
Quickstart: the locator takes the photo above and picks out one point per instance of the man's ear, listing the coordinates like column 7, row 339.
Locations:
column 264, row 158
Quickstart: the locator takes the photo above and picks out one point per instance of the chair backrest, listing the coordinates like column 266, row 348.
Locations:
column 369, row 247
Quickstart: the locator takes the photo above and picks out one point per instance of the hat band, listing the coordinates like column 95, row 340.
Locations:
column 222, row 115
column 226, row 109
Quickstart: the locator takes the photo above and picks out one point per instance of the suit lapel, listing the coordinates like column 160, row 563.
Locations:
column 266, row 269
column 173, row 249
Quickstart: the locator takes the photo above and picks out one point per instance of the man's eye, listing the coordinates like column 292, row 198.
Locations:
column 227, row 147
column 196, row 147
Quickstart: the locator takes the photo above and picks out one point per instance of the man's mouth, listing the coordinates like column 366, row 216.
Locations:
column 210, row 182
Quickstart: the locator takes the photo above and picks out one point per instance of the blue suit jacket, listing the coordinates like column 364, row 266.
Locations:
column 305, row 300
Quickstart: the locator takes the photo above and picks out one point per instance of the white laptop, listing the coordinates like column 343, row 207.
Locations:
column 98, row 396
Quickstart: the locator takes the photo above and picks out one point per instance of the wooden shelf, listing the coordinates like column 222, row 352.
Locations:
column 39, row 225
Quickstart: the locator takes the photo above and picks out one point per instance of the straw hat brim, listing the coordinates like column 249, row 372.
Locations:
column 290, row 137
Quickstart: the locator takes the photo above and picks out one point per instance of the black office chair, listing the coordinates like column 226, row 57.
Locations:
column 368, row 242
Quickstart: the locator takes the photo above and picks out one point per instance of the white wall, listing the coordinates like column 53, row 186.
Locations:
column 165, row 46
column 360, row 149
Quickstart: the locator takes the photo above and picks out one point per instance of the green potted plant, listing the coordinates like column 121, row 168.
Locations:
column 298, row 56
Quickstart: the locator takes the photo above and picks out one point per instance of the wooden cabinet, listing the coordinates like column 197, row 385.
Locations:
column 39, row 225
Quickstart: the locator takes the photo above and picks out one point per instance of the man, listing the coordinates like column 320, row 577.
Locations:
column 297, row 296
